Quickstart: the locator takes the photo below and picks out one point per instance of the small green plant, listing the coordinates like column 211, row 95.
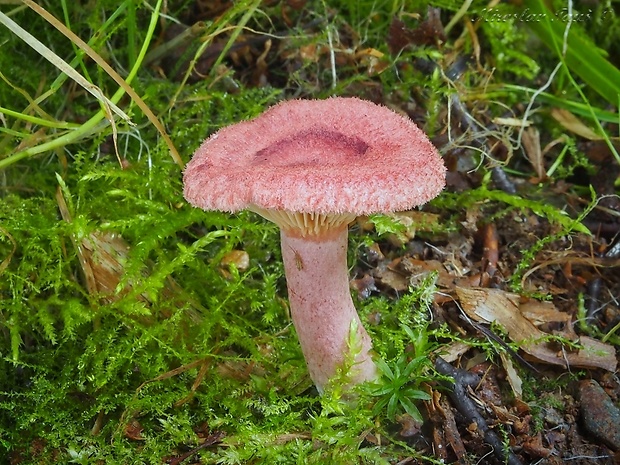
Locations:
column 399, row 389
column 401, row 381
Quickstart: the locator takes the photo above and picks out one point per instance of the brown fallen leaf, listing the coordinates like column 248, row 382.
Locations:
column 444, row 430
column 535, row 448
column 494, row 305
column 240, row 259
column 102, row 255
column 454, row 351
column 415, row 267
column 428, row 32
column 133, row 430
column 415, row 221
column 409, row 426
column 574, row 124
column 534, row 153
column 515, row 381
column 364, row 286
column 389, row 275
column 375, row 60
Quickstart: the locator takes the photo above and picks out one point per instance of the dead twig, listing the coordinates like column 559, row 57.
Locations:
column 213, row 439
column 458, row 394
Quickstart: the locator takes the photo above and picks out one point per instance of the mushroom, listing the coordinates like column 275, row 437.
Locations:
column 311, row 167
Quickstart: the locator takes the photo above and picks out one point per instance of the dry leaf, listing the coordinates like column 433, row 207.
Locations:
column 428, row 32
column 533, row 152
column 545, row 313
column 417, row 267
column 375, row 60
column 516, row 122
column 494, row 305
column 513, row 377
column 364, row 286
column 133, row 430
column 574, row 124
column 415, row 221
column 390, row 276
column 454, row 351
column 239, row 258
column 103, row 255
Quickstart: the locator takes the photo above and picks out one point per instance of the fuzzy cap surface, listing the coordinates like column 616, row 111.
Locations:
column 332, row 156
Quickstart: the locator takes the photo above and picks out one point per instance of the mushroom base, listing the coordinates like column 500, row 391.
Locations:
column 322, row 308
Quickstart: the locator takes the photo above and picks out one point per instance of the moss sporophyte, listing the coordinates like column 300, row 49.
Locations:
column 311, row 167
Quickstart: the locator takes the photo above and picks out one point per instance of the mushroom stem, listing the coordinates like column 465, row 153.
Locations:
column 321, row 306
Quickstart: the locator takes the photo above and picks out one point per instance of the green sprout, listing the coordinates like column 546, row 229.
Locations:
column 399, row 388
column 401, row 384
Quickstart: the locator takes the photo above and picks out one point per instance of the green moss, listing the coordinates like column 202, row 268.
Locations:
column 177, row 347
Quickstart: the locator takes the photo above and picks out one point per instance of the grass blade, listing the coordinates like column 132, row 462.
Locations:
column 581, row 56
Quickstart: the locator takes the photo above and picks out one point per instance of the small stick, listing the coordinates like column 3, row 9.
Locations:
column 467, row 407
column 213, row 439
column 593, row 293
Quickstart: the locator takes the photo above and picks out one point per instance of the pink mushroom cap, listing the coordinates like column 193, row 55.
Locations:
column 335, row 156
